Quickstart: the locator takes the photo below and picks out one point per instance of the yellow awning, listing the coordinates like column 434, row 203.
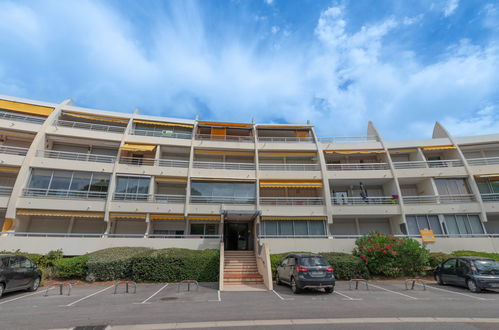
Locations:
column 356, row 151
column 138, row 147
column 223, row 152
column 127, row 216
column 97, row 117
column 160, row 123
column 490, row 177
column 169, row 179
column 55, row 213
column 212, row 123
column 9, row 169
column 289, row 154
column 30, row 109
column 7, row 224
column 222, row 180
column 291, row 183
column 264, row 218
column 283, row 127
column 167, row 217
column 209, row 217
column 438, row 147
column 402, row 150
column 17, row 134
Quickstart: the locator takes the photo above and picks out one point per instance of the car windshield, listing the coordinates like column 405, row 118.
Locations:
column 489, row 267
column 313, row 261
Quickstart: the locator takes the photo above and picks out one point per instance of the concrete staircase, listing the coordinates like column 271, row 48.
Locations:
column 240, row 269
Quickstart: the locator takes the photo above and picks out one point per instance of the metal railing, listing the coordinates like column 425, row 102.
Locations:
column 292, row 236
column 493, row 197
column 355, row 236
column 345, row 139
column 17, row 117
column 291, row 201
column 483, row 161
column 289, row 167
column 222, row 200
column 223, row 165
column 439, row 199
column 358, row 166
column 5, row 190
column 408, row 165
column 229, row 138
column 63, row 193
column 93, row 235
column 428, row 164
column 288, row 139
column 89, row 126
column 375, row 200
column 13, row 150
column 76, row 156
column 153, row 162
column 163, row 133
column 166, row 198
column 156, row 198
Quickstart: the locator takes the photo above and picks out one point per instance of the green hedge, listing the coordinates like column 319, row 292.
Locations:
column 476, row 254
column 172, row 265
column 436, row 258
column 68, row 268
column 114, row 263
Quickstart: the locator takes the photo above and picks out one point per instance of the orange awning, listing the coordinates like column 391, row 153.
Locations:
column 90, row 116
column 355, row 151
column 291, row 183
column 56, row 213
column 160, row 123
column 29, row 109
column 210, row 217
column 438, row 147
column 213, row 123
column 138, row 147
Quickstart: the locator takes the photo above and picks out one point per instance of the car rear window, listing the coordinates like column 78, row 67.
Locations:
column 487, row 267
column 313, row 261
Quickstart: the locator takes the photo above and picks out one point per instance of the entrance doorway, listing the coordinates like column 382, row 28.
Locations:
column 237, row 236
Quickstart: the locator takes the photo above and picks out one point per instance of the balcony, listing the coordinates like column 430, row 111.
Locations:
column 378, row 200
column 90, row 126
column 222, row 200
column 493, row 197
column 289, row 167
column 348, row 139
column 224, row 165
column 162, row 133
column 18, row 117
column 439, row 199
column 358, row 167
column 5, row 190
column 483, row 161
column 429, row 164
column 63, row 193
column 226, row 138
column 285, row 139
column 155, row 198
column 18, row 151
column 294, row 201
column 84, row 157
column 153, row 162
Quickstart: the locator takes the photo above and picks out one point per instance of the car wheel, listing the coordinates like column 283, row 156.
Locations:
column 294, row 287
column 439, row 280
column 277, row 279
column 472, row 286
column 34, row 286
column 329, row 290
column 1, row 289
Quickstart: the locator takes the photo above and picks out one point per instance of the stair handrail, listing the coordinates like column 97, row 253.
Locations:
column 221, row 268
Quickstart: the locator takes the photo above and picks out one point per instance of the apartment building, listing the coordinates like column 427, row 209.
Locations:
column 83, row 179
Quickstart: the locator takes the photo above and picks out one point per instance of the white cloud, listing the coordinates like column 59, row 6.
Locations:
column 269, row 2
column 450, row 7
column 484, row 121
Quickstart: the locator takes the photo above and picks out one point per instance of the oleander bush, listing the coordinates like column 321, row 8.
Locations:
column 385, row 255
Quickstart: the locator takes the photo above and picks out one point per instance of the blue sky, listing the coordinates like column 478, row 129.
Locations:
column 401, row 64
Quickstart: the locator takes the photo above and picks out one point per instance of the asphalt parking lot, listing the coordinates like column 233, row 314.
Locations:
column 168, row 307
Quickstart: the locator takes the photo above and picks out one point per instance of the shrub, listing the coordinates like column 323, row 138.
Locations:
column 346, row 266
column 75, row 267
column 386, row 255
column 436, row 258
column 476, row 254
column 113, row 263
column 173, row 265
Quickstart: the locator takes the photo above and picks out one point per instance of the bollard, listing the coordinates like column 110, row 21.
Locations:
column 188, row 284
column 413, row 281
column 357, row 280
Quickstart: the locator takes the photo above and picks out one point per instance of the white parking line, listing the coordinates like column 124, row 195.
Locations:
column 344, row 295
column 155, row 293
column 90, row 295
column 405, row 295
column 26, row 295
column 462, row 294
column 280, row 297
column 219, row 298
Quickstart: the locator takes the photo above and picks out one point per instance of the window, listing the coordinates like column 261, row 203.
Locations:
column 132, row 187
column 223, row 192
column 452, row 186
column 415, row 223
column 463, row 224
column 15, row 262
column 300, row 228
column 204, row 229
column 449, row 265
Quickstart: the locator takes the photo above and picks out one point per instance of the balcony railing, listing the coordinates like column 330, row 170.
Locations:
column 222, row 200
column 439, row 199
column 224, row 166
column 156, row 198
column 163, row 133
column 290, row 139
column 375, row 200
column 483, row 161
column 84, row 157
column 494, row 197
column 153, row 162
column 346, row 139
column 89, row 126
column 358, row 166
column 5, row 190
column 17, row 117
column 428, row 164
column 63, row 193
column 13, row 150
column 229, row 138
column 69, row 235
column 291, row 200
column 166, row 198
column 289, row 167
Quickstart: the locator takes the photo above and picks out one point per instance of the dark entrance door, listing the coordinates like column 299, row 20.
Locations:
column 236, row 235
